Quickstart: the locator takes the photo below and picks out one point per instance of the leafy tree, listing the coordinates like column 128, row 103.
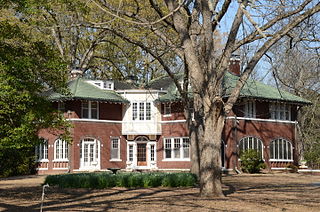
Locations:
column 185, row 31
column 295, row 66
column 27, row 67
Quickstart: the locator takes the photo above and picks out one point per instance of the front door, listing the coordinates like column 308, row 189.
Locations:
column 89, row 154
column 142, row 154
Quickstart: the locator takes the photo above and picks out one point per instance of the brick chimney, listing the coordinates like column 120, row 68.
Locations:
column 234, row 64
column 75, row 73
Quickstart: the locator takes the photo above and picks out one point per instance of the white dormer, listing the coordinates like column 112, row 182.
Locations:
column 102, row 84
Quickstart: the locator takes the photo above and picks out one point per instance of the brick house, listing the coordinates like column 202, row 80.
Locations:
column 119, row 125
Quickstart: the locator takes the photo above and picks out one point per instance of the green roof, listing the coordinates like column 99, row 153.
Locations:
column 258, row 90
column 252, row 89
column 80, row 89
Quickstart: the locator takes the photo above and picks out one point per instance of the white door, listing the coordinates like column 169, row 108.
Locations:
column 89, row 154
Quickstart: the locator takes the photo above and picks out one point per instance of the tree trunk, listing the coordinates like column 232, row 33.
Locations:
column 206, row 147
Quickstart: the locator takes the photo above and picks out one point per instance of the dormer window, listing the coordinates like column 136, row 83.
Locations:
column 280, row 111
column 90, row 110
column 106, row 85
column 250, row 109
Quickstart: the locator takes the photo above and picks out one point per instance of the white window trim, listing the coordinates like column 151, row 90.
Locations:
column 65, row 147
column 61, row 106
column 89, row 110
column 281, row 160
column 41, row 148
column 250, row 109
column 97, row 158
column 144, row 112
column 262, row 145
column 172, row 149
column 167, row 110
column 119, row 147
column 276, row 108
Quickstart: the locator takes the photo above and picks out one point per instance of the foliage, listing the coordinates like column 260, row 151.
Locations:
column 292, row 168
column 128, row 180
column 251, row 161
column 15, row 162
column 27, row 67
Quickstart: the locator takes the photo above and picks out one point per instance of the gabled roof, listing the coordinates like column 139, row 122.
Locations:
column 80, row 89
column 252, row 89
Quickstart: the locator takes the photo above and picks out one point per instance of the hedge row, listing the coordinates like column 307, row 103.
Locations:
column 128, row 180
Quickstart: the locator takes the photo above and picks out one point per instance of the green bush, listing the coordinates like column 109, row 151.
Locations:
column 128, row 180
column 251, row 161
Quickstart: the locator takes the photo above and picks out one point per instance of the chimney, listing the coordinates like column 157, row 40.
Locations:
column 75, row 73
column 234, row 64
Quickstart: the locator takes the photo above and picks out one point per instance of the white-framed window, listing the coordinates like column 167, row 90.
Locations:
column 42, row 151
column 280, row 111
column 250, row 109
column 251, row 143
column 167, row 109
column 177, row 148
column 61, row 106
column 115, row 149
column 90, row 110
column 281, row 150
column 60, row 150
column 130, row 153
column 89, row 153
column 141, row 111
column 152, row 152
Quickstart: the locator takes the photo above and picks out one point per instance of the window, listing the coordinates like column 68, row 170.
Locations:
column 186, row 147
column 280, row 150
column 130, row 152
column 251, row 143
column 280, row 111
column 61, row 150
column 141, row 111
column 167, row 110
column 250, row 109
column 42, row 150
column 89, row 153
column 177, row 148
column 152, row 152
column 61, row 106
column 115, row 148
column 90, row 110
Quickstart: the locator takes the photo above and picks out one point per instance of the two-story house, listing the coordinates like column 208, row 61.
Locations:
column 119, row 125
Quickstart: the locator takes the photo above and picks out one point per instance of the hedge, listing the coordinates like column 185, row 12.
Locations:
column 129, row 180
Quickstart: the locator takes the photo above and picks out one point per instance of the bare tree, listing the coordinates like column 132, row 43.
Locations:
column 186, row 29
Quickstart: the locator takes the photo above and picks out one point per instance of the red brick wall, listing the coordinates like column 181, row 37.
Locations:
column 171, row 130
column 266, row 131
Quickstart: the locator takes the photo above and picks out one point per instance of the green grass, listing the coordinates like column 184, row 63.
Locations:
column 128, row 180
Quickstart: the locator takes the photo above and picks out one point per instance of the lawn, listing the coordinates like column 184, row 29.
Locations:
column 258, row 192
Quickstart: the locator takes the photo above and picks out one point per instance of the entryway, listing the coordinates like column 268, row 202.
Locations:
column 141, row 153
column 89, row 154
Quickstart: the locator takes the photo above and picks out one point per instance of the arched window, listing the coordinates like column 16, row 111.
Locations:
column 251, row 143
column 60, row 150
column 42, row 150
column 281, row 150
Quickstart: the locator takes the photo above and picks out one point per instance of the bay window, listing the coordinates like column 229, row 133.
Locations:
column 141, row 111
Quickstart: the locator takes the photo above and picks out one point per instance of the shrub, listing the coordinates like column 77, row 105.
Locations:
column 128, row 180
column 251, row 161
column 292, row 168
